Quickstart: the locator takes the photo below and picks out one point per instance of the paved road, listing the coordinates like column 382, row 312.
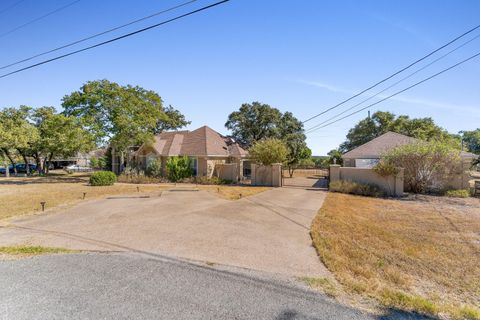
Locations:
column 133, row 286
column 268, row 231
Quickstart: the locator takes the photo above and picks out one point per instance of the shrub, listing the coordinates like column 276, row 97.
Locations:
column 428, row 165
column 461, row 193
column 212, row 180
column 179, row 168
column 154, row 168
column 385, row 169
column 133, row 175
column 356, row 188
column 268, row 151
column 103, row 178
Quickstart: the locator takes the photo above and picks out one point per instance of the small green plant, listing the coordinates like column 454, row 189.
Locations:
column 103, row 178
column 460, row 193
column 154, row 168
column 179, row 168
column 212, row 180
column 356, row 188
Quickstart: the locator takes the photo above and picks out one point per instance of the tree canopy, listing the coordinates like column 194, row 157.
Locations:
column 471, row 140
column 40, row 134
column 269, row 151
column 121, row 115
column 255, row 121
column 381, row 122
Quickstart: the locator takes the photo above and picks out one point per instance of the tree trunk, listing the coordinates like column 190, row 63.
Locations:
column 122, row 160
column 27, row 167
column 38, row 161
column 9, row 156
column 7, row 172
column 48, row 163
column 291, row 169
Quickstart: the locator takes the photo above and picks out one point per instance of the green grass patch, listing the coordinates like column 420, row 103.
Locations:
column 323, row 284
column 397, row 299
column 32, row 250
column 461, row 193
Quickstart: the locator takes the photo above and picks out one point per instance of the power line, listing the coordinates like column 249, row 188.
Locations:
column 393, row 75
column 114, row 39
column 394, row 84
column 401, row 91
column 39, row 18
column 11, row 6
column 97, row 34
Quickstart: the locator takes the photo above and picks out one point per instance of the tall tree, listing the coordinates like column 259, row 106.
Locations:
column 17, row 134
column 256, row 121
column 471, row 140
column 381, row 122
column 122, row 116
column 253, row 122
column 59, row 136
column 297, row 151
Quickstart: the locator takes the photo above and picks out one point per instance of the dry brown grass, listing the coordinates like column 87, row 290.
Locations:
column 20, row 196
column 420, row 255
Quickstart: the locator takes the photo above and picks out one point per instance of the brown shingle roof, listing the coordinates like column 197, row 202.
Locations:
column 375, row 148
column 203, row 141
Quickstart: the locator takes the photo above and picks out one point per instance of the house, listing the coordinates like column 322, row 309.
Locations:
column 81, row 159
column 206, row 147
column 369, row 154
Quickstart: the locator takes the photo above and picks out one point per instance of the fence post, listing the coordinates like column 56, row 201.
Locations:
column 334, row 172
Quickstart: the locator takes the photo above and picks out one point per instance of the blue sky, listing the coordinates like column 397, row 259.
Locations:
column 300, row 56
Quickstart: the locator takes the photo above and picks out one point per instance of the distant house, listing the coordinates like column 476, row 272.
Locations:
column 80, row 159
column 204, row 146
column 369, row 154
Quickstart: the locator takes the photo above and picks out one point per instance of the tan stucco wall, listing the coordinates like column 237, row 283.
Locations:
column 227, row 171
column 393, row 186
column 267, row 175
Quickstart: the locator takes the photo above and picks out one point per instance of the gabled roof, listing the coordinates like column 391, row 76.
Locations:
column 375, row 148
column 203, row 141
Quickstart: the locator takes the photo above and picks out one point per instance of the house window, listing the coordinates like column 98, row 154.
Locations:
column 194, row 165
column 366, row 163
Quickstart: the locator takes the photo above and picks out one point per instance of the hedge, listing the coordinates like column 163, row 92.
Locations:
column 103, row 178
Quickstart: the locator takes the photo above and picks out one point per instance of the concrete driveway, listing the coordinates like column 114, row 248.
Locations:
column 268, row 231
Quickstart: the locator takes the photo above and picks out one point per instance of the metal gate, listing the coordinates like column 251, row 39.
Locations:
column 305, row 178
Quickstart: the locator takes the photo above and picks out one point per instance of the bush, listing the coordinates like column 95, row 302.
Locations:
column 461, row 193
column 154, row 168
column 133, row 175
column 103, row 178
column 428, row 165
column 212, row 180
column 356, row 188
column 269, row 151
column 179, row 168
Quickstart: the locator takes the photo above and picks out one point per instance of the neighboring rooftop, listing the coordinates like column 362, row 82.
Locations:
column 375, row 148
column 203, row 141
column 378, row 146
